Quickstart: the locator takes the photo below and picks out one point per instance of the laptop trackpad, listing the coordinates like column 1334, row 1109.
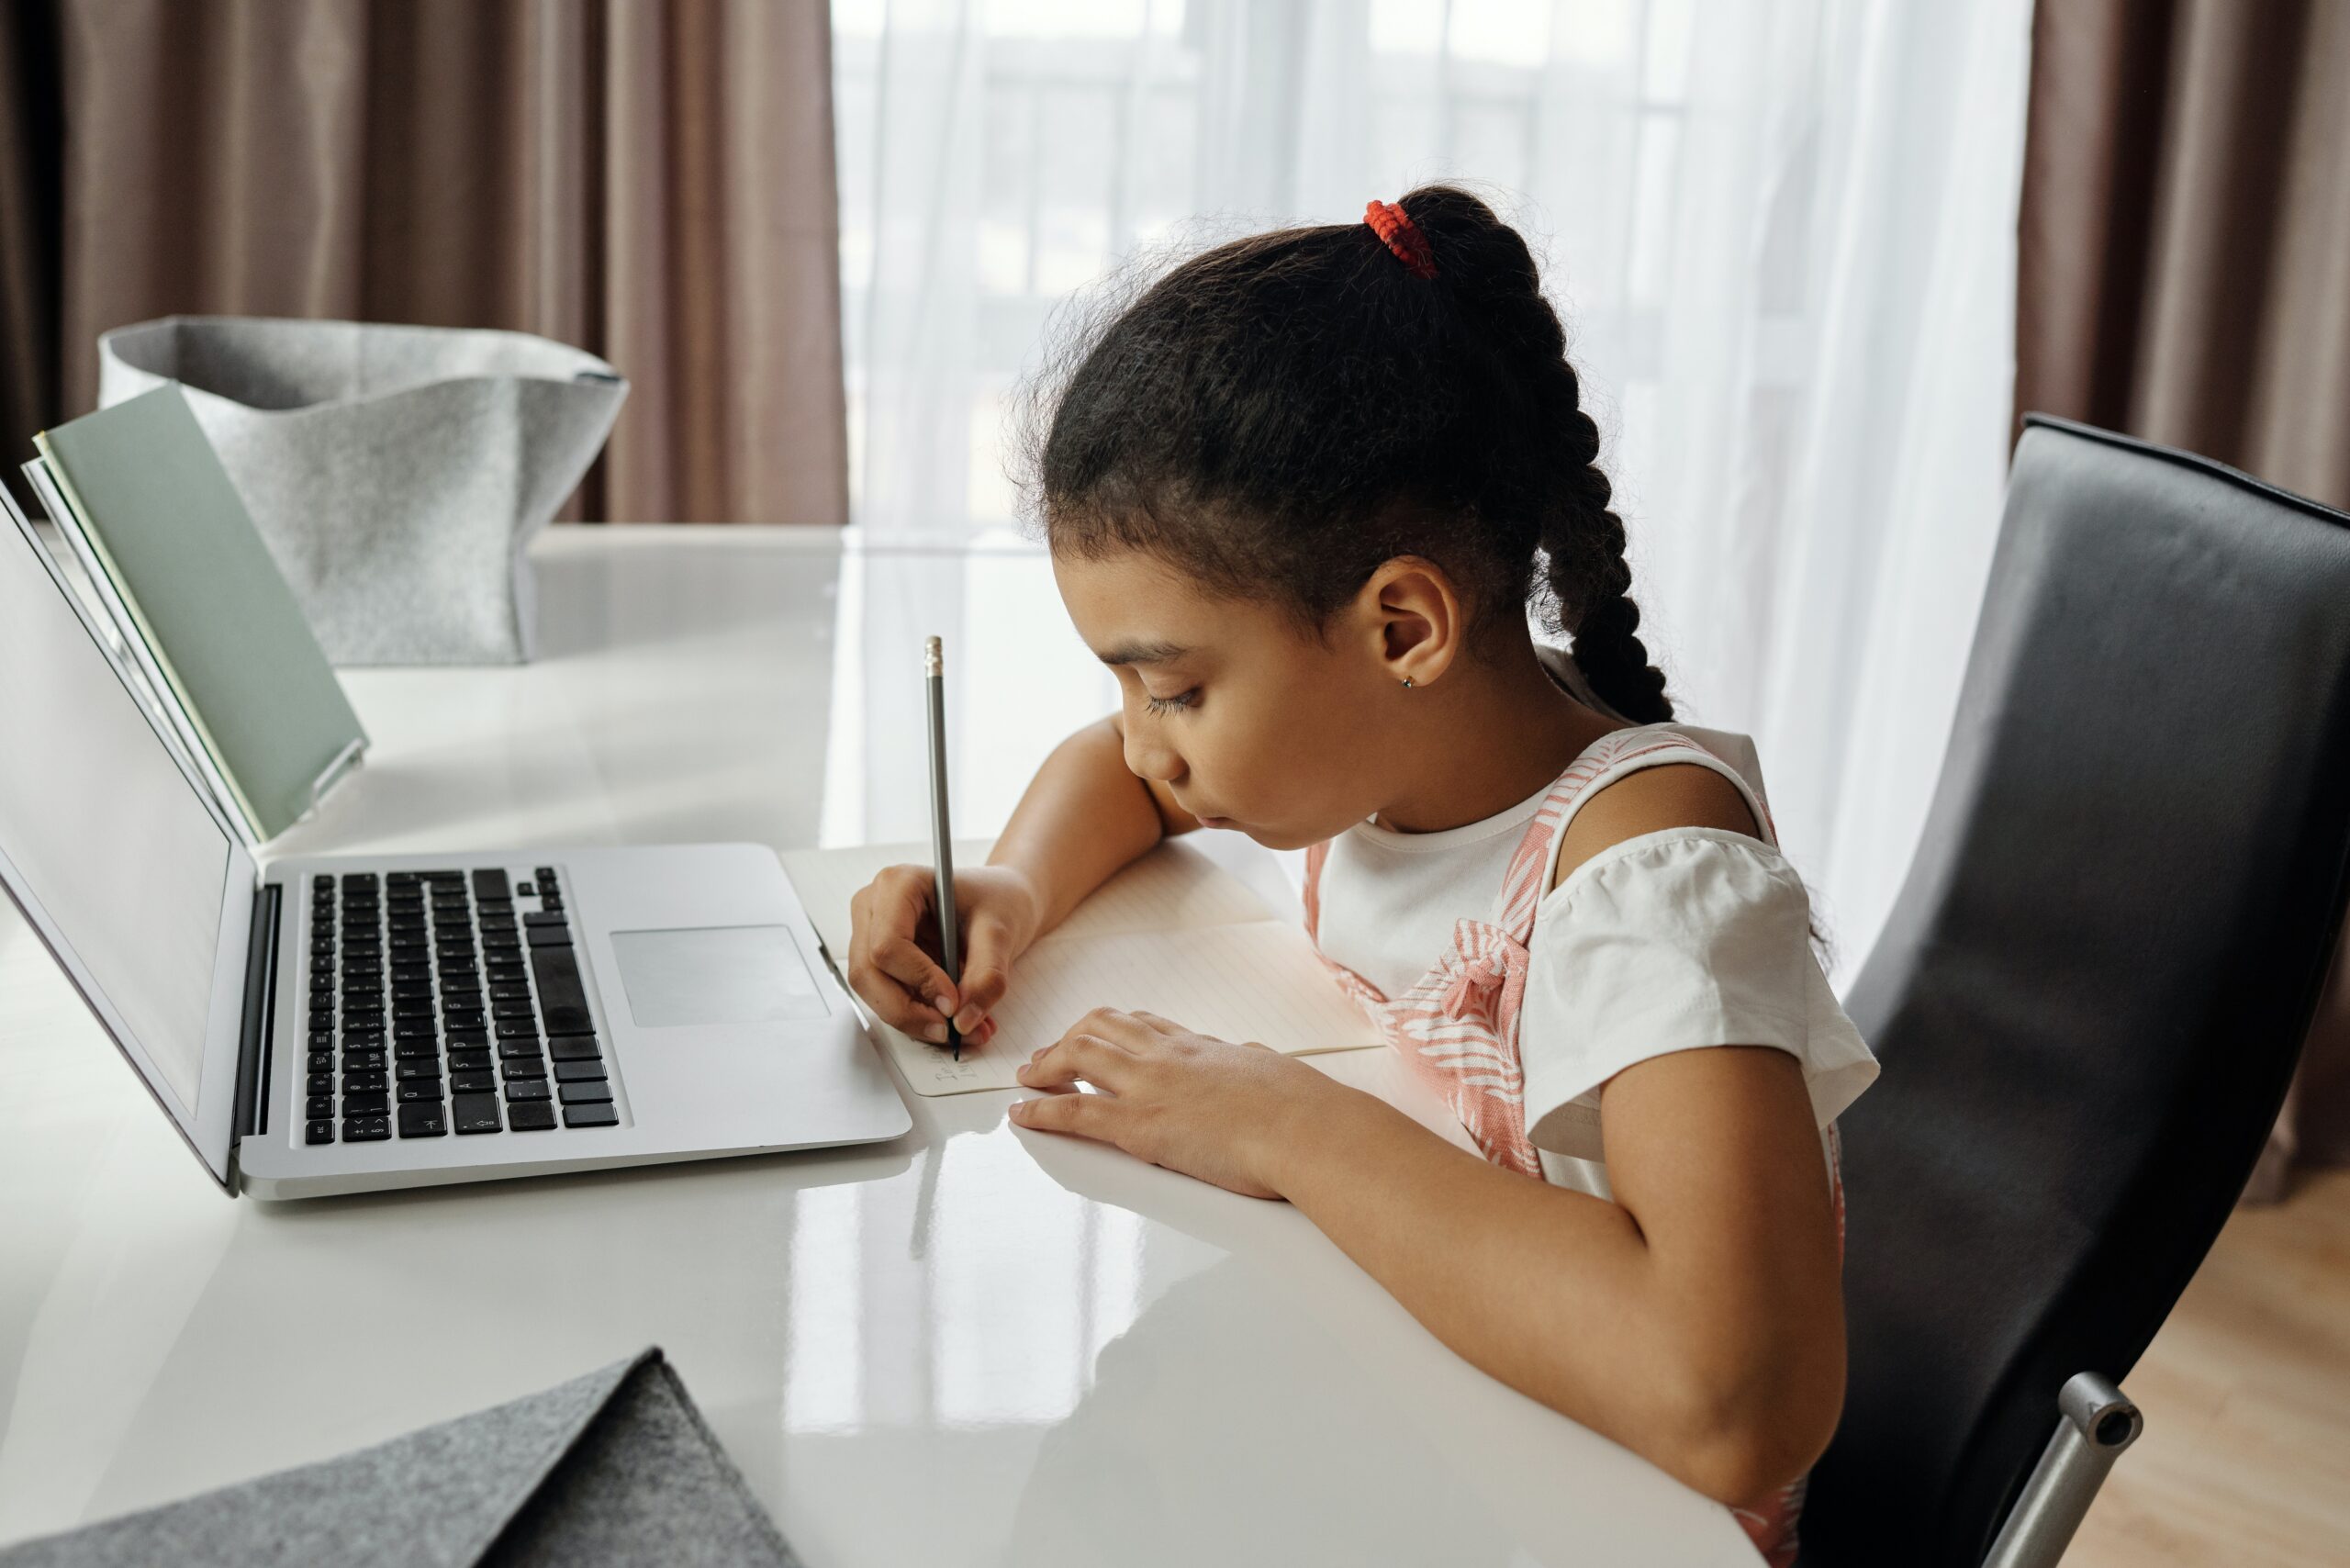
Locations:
column 726, row 974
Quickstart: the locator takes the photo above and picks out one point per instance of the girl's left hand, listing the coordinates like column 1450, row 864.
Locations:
column 1220, row 1112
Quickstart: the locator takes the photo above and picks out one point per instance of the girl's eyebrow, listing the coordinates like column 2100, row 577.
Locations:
column 1144, row 653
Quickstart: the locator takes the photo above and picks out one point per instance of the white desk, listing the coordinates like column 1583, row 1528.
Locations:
column 971, row 1347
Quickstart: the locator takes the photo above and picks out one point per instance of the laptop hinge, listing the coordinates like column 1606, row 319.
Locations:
column 260, row 1005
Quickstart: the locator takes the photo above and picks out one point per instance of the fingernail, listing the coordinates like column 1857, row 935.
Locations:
column 969, row 1019
column 934, row 1033
column 1019, row 1110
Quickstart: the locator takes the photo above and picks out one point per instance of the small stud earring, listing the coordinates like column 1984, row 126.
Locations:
column 1407, row 683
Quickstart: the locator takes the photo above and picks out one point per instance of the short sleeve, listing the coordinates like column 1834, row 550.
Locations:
column 1671, row 942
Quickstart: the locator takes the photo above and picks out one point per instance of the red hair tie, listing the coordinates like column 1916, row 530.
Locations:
column 1400, row 234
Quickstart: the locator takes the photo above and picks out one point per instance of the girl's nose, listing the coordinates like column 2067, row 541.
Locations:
column 1147, row 759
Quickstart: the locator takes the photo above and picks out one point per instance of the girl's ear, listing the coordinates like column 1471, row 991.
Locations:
column 1416, row 618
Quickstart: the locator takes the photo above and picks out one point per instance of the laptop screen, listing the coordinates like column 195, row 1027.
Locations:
column 106, row 837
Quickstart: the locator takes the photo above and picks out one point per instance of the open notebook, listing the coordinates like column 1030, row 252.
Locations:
column 1173, row 934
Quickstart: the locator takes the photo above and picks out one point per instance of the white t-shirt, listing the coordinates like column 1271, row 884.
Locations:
column 1671, row 941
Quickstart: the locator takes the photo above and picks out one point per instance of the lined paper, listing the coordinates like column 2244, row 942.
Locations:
column 1174, row 934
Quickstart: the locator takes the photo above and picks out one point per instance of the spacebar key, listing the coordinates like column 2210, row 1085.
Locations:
column 563, row 1001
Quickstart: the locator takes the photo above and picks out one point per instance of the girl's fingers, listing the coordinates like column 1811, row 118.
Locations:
column 986, row 973
column 903, row 961
column 1088, row 1116
column 1074, row 1057
column 920, row 985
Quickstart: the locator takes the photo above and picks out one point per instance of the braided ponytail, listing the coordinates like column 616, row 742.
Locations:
column 1591, row 581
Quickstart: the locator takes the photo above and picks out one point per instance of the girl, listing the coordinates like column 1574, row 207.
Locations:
column 1300, row 496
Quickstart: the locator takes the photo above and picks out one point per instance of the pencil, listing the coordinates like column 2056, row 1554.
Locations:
column 941, row 834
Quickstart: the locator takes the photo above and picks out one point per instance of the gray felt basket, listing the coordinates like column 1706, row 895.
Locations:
column 398, row 473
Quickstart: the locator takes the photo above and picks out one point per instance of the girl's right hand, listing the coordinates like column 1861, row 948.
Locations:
column 894, row 951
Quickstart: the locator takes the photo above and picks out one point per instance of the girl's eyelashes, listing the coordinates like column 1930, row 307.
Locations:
column 1169, row 705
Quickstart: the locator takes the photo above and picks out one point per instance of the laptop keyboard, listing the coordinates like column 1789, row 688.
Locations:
column 434, row 1009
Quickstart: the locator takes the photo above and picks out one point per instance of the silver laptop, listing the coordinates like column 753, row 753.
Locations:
column 336, row 1025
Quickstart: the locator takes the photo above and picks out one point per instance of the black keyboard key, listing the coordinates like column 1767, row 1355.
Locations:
column 477, row 1113
column 451, row 964
column 562, row 998
column 519, row 1008
column 498, row 917
column 524, row 1067
column 319, row 1107
column 496, row 942
column 411, row 1007
column 472, row 1083
column 517, row 1029
column 416, row 1050
column 590, row 1116
column 371, row 1079
column 415, row 1089
column 469, row 1061
column 417, row 1068
column 366, row 1103
column 319, row 1132
column 416, row 1029
column 403, row 991
column 509, row 993
column 542, row 920
column 526, row 1089
column 362, row 1059
column 366, row 1129
column 368, row 1033
column 322, row 947
column 318, row 1083
column 550, row 936
column 321, row 1061
column 533, row 1116
column 423, row 1120
column 578, row 1048
column 467, row 1038
column 491, row 882
column 550, row 903
column 545, row 874
column 568, row 1072
column 584, row 1093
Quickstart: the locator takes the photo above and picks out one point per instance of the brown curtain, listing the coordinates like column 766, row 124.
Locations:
column 650, row 180
column 2184, row 276
column 30, row 137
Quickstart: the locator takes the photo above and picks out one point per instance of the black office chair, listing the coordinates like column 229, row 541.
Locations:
column 2091, row 991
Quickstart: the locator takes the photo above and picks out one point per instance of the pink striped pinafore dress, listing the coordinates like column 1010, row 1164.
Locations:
column 1456, row 1028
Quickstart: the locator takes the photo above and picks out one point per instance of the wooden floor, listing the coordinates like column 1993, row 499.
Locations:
column 2246, row 1459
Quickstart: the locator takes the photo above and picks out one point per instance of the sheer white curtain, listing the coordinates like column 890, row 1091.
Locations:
column 1782, row 233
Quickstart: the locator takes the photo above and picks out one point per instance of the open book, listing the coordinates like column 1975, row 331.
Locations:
column 1173, row 934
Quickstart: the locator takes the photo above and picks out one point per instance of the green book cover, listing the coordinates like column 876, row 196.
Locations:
column 170, row 530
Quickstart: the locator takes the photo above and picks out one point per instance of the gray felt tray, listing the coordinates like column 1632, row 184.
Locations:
column 616, row 1467
column 397, row 474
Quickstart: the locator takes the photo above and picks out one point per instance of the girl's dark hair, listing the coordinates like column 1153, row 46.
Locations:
column 1283, row 413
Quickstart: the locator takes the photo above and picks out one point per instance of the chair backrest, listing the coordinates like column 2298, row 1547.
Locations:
column 2092, row 990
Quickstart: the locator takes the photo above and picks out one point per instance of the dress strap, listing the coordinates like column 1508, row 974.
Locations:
column 1602, row 763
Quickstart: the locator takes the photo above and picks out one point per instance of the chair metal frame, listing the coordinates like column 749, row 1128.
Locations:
column 2096, row 1422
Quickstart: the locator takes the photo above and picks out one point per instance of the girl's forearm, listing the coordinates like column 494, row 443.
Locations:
column 1083, row 817
column 1553, row 1292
